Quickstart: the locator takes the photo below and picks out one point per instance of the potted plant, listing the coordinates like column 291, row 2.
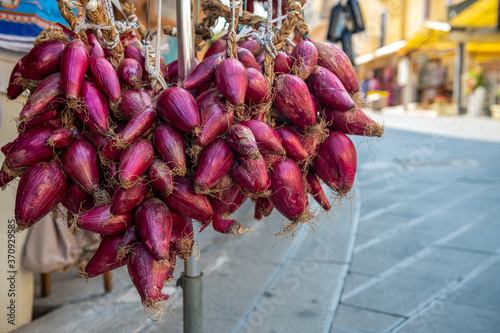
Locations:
column 475, row 88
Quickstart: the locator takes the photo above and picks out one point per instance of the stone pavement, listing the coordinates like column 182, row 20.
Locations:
column 416, row 250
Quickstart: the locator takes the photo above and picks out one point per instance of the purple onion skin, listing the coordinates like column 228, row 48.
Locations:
column 153, row 221
column 288, row 194
column 109, row 151
column 105, row 258
column 336, row 162
column 220, row 45
column 268, row 140
column 237, row 202
column 43, row 60
column 139, row 123
column 135, row 160
column 177, row 107
column 95, row 116
column 263, row 208
column 204, row 72
column 74, row 64
column 147, row 275
column 6, row 147
column 130, row 71
column 61, row 138
column 208, row 98
column 241, row 139
column 131, row 102
column 102, row 222
column 184, row 200
column 79, row 161
column 305, row 58
column 335, row 60
column 182, row 236
column 103, row 74
column 30, row 148
column 96, row 49
column 41, row 189
column 329, row 90
column 317, row 191
column 40, row 120
column 292, row 144
column 282, row 64
column 46, row 96
column 130, row 237
column 252, row 46
column 251, row 175
column 14, row 89
column 172, row 71
column 127, row 199
column 215, row 121
column 5, row 178
column 247, row 59
column 231, row 79
column 76, row 200
column 214, row 163
column 258, row 89
column 294, row 101
column 227, row 190
column 169, row 144
column 160, row 177
column 353, row 122
column 134, row 53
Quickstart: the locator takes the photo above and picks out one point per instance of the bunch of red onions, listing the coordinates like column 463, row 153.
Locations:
column 137, row 168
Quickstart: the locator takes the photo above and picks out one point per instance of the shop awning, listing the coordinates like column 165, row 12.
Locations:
column 479, row 14
column 428, row 38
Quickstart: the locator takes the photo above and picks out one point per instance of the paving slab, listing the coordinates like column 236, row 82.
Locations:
column 364, row 320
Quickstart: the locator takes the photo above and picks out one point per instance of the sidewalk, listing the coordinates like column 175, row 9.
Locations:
column 416, row 251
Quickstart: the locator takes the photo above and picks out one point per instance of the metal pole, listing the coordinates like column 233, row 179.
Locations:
column 191, row 280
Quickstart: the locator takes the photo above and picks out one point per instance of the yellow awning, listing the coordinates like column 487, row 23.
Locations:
column 429, row 39
column 482, row 13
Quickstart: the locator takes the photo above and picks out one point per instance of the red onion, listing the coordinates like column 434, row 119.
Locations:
column 169, row 144
column 268, row 140
column 160, row 176
column 292, row 144
column 153, row 221
column 96, row 47
column 40, row 189
column 214, row 163
column 227, row 226
column 225, row 193
column 317, row 191
column 258, row 89
column 238, row 201
column 204, row 72
column 247, row 59
column 208, row 97
column 135, row 160
column 304, row 58
column 127, row 199
column 61, row 138
column 5, row 178
column 76, row 199
column 172, row 71
column 288, row 195
column 46, row 96
column 353, row 122
column 130, row 71
column 177, row 107
column 251, row 175
column 231, row 79
column 220, row 45
column 5, row 148
column 329, row 90
column 139, row 123
column 185, row 200
column 263, row 208
column 104, row 75
column 182, row 236
column 336, row 162
column 293, row 100
column 79, row 161
column 252, row 46
column 95, row 114
column 335, row 60
column 147, row 275
column 215, row 121
column 43, row 59
column 74, row 63
column 282, row 64
column 40, row 120
column 109, row 150
column 15, row 89
column 131, row 102
column 102, row 222
column 241, row 139
column 105, row 258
